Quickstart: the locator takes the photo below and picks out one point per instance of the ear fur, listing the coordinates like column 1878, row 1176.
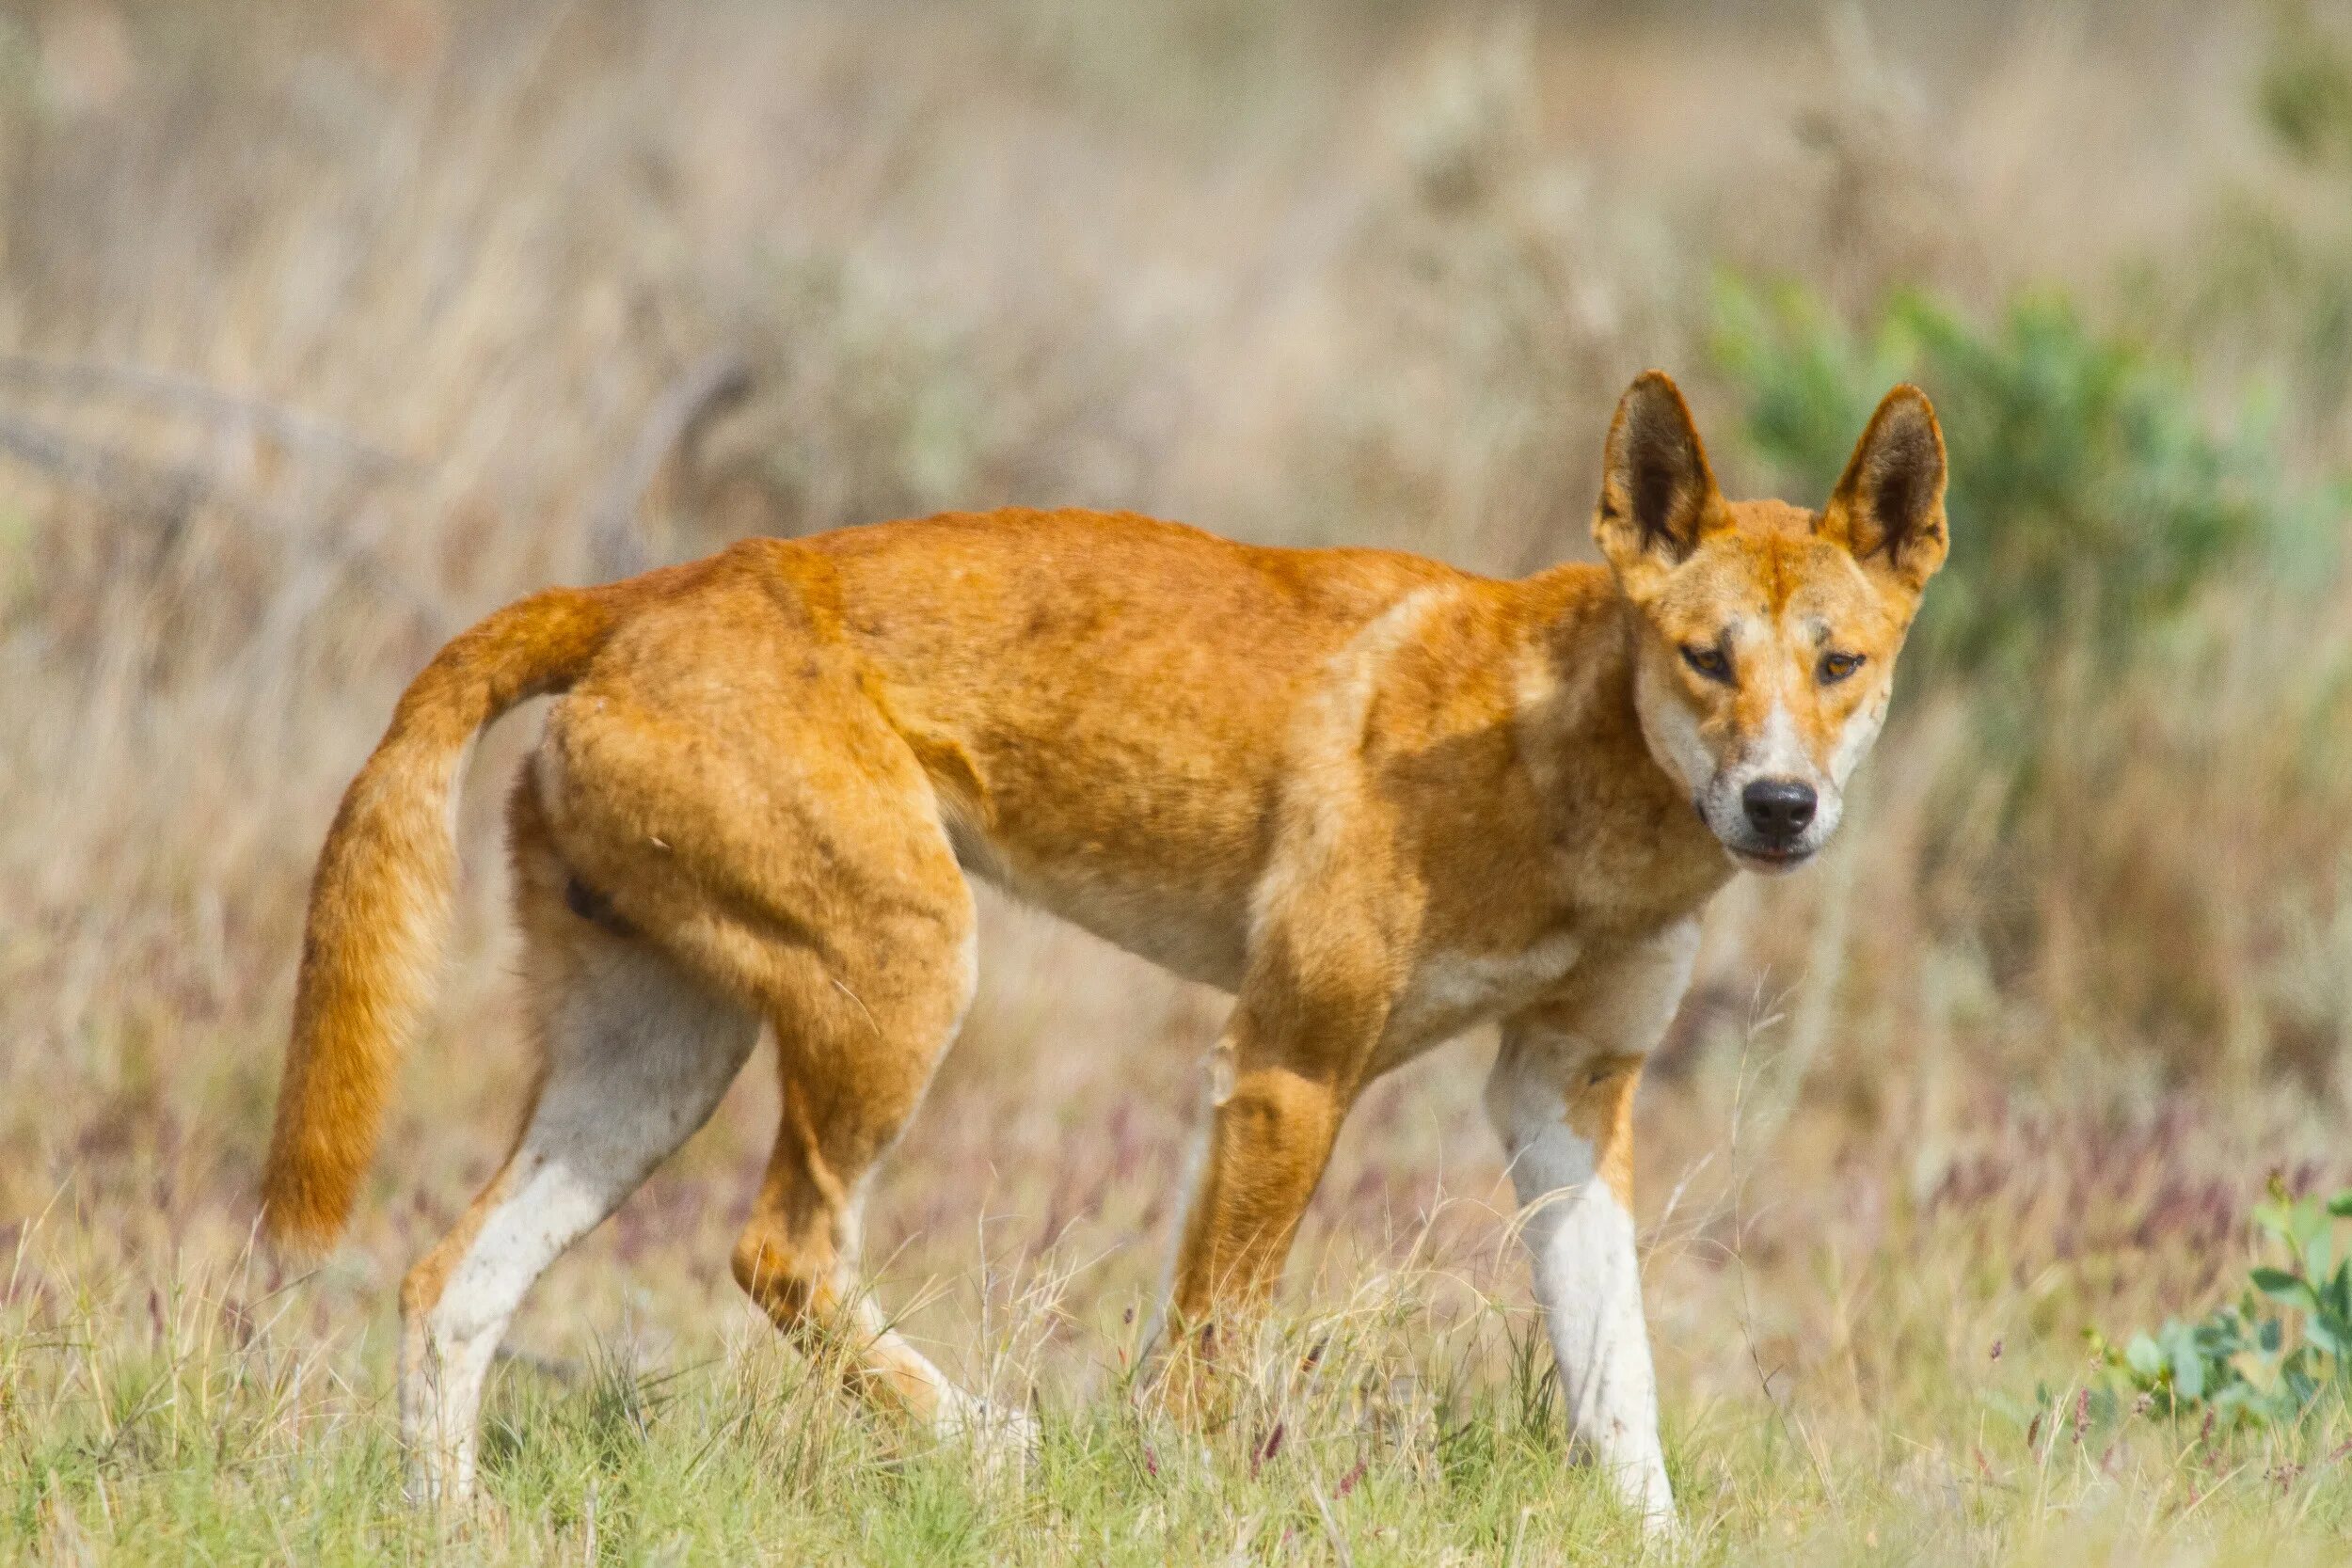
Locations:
column 1658, row 495
column 1888, row 507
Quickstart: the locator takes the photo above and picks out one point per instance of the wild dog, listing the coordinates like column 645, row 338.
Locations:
column 1378, row 799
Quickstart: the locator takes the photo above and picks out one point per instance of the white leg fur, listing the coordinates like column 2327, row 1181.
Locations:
column 1588, row 1280
column 1580, row 1237
column 637, row 1058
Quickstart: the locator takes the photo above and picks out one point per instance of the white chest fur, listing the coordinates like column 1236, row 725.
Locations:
column 1451, row 991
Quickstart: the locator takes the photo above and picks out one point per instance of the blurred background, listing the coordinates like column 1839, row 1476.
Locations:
column 325, row 330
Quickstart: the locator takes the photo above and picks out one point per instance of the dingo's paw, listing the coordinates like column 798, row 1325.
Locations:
column 1004, row 1439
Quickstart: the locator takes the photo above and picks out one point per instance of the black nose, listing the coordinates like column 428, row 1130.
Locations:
column 1778, row 808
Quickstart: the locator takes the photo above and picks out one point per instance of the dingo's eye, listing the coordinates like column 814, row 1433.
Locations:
column 1710, row 662
column 1837, row 667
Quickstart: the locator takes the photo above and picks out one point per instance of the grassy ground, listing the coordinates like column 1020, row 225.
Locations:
column 1853, row 1375
column 1870, row 1351
column 325, row 329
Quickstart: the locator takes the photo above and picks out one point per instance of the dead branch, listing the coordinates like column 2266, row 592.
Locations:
column 709, row 387
column 162, row 486
column 170, row 489
column 287, row 427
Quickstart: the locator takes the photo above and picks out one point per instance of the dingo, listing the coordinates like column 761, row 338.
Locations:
column 1379, row 799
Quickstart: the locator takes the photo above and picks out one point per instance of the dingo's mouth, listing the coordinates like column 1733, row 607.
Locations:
column 1768, row 860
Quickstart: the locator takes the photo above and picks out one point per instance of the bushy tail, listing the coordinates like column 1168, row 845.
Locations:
column 379, row 908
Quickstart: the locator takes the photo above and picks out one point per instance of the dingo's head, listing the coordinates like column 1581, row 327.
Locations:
column 1767, row 633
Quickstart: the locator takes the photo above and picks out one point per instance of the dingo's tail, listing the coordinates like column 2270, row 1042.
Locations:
column 380, row 904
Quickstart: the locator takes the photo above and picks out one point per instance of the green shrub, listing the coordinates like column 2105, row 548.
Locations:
column 2089, row 500
column 2304, row 95
column 2253, row 1363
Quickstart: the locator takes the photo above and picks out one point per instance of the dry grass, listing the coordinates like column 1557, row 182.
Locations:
column 1310, row 273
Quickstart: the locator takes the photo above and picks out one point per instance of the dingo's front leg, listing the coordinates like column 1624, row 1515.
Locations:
column 1561, row 1099
column 1281, row 1081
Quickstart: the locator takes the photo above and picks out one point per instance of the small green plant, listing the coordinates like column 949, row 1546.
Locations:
column 2264, row 1360
column 2089, row 499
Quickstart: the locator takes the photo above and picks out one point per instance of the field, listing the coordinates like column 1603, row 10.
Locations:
column 324, row 331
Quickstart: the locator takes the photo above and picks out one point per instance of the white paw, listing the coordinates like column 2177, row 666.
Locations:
column 1646, row 1491
column 440, row 1483
column 1004, row 1438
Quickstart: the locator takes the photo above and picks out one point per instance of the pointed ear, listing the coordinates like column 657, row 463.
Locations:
column 1888, row 509
column 1657, row 493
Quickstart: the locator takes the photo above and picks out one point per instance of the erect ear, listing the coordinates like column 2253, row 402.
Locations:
column 1657, row 493
column 1888, row 507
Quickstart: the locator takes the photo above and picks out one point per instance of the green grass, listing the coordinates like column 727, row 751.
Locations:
column 192, row 1427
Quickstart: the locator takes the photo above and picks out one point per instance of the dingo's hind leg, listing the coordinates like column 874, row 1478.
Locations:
column 780, row 837
column 635, row 1055
column 855, row 1050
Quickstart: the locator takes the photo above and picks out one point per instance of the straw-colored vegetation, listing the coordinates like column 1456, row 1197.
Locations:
column 328, row 328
